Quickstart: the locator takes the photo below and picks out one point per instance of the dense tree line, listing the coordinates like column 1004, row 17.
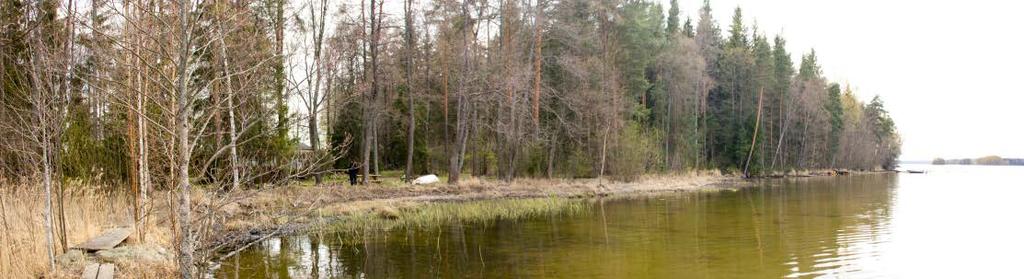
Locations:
column 163, row 94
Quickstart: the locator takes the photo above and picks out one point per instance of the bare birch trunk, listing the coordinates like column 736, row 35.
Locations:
column 185, row 246
column 232, row 132
column 69, row 60
column 47, row 187
column 142, row 164
column 142, row 149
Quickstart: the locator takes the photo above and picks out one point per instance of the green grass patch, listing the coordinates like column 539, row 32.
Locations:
column 436, row 215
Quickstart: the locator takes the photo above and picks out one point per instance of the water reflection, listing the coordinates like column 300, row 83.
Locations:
column 796, row 228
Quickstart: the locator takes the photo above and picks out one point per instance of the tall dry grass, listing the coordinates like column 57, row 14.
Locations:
column 88, row 211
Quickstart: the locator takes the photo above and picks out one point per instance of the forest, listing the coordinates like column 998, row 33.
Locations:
column 157, row 95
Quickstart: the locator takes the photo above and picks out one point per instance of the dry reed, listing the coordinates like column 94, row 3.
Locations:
column 88, row 211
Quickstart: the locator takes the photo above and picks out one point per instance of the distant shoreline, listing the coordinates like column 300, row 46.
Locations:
column 983, row 161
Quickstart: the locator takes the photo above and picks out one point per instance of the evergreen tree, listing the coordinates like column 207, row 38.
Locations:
column 688, row 28
column 809, row 68
column 765, row 64
column 834, row 106
column 884, row 130
column 737, row 33
column 641, row 36
column 783, row 67
column 673, row 18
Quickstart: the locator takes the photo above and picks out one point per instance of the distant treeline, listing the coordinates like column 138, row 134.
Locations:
column 987, row 160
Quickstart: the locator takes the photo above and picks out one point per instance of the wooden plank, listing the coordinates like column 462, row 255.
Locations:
column 106, row 271
column 90, row 271
column 108, row 240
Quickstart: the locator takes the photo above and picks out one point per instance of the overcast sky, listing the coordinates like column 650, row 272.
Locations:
column 948, row 71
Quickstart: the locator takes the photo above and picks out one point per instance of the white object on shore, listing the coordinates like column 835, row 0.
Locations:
column 426, row 179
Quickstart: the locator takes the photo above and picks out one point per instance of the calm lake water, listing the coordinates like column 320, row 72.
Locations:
column 953, row 222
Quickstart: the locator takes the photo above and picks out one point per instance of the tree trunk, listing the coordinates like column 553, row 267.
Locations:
column 753, row 142
column 185, row 246
column 376, row 149
column 444, row 101
column 668, row 130
column 314, row 142
column 233, row 140
column 537, row 63
column 279, row 75
column 313, row 87
column 455, row 159
column 604, row 153
column 47, row 186
column 784, row 122
column 143, row 164
column 410, row 55
column 367, row 141
column 551, row 157
column 369, row 112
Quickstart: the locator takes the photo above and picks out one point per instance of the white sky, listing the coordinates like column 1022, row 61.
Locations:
column 948, row 71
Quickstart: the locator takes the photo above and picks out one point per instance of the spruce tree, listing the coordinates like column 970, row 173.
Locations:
column 688, row 28
column 737, row 32
column 834, row 106
column 673, row 18
column 809, row 68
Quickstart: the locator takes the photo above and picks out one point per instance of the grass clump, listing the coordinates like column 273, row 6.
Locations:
column 435, row 215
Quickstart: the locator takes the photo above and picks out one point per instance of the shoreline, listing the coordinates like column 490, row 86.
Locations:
column 328, row 203
column 240, row 219
column 333, row 204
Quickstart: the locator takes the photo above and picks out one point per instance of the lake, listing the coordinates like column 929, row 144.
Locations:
column 954, row 221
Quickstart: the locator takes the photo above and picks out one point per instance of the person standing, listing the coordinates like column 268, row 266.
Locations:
column 353, row 174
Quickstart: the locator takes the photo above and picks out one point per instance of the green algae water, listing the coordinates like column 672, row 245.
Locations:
column 954, row 221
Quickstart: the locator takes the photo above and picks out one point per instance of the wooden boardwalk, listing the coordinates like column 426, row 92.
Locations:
column 98, row 271
column 108, row 240
column 105, row 241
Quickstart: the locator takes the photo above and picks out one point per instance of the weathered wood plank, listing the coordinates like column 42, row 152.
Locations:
column 90, row 271
column 108, row 240
column 98, row 271
column 106, row 271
